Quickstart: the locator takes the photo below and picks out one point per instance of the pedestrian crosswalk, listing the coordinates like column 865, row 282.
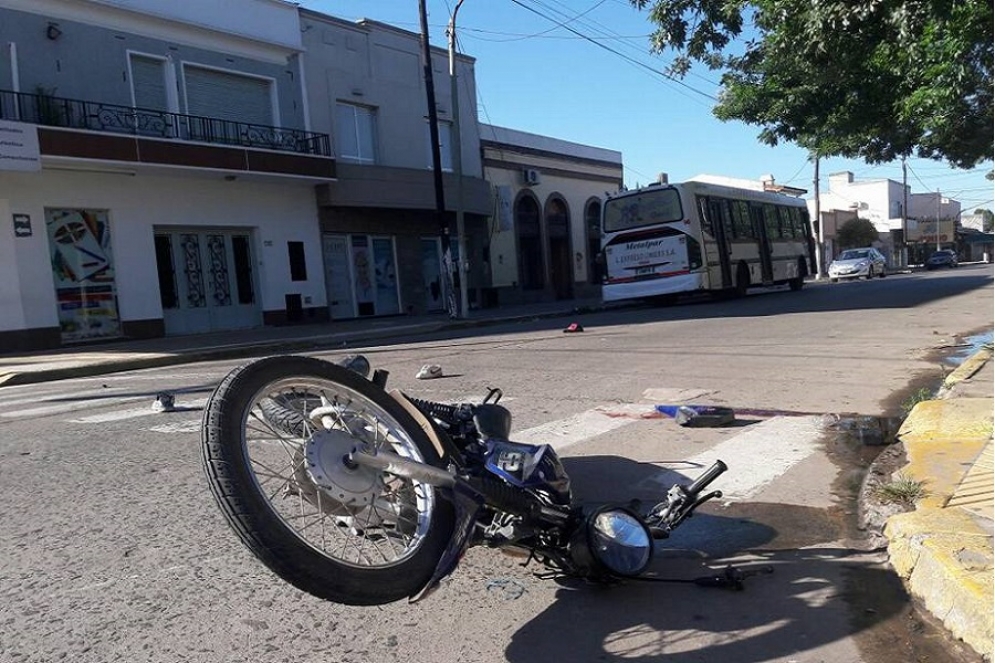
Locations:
column 760, row 452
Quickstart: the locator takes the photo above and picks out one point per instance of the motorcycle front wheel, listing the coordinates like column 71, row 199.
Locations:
column 276, row 433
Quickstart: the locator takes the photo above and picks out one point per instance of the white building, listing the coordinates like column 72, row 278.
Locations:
column 163, row 183
column 881, row 201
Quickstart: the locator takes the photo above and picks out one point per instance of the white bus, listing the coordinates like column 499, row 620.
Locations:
column 666, row 239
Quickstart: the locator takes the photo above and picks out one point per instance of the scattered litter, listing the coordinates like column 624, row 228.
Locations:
column 510, row 588
column 698, row 416
column 573, row 328
column 429, row 371
column 164, row 402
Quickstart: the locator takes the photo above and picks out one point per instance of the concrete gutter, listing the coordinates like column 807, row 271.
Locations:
column 942, row 550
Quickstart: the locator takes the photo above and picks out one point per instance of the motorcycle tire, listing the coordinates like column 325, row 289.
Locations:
column 351, row 535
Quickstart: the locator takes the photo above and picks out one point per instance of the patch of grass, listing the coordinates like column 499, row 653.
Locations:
column 903, row 489
column 923, row 394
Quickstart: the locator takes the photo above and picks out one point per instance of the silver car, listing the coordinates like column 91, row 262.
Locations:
column 854, row 263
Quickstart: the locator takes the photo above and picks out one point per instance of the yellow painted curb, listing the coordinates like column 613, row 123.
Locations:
column 970, row 366
column 946, row 559
column 942, row 440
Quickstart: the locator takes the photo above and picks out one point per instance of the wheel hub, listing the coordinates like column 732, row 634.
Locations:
column 352, row 486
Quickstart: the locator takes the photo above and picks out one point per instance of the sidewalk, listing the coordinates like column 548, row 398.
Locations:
column 115, row 356
column 943, row 549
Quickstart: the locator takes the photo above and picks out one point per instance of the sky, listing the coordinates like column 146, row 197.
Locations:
column 582, row 71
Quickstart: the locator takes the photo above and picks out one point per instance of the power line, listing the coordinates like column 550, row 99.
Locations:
column 617, row 53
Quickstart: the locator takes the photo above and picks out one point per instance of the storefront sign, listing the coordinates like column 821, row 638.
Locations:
column 922, row 230
column 19, row 146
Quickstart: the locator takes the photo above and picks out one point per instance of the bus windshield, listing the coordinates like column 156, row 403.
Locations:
column 642, row 209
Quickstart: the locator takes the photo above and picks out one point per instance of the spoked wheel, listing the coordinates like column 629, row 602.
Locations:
column 276, row 436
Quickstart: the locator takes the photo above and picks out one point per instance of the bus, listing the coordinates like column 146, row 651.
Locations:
column 663, row 240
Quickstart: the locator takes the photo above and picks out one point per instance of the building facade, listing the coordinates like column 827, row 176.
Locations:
column 163, row 183
column 929, row 222
column 545, row 234
column 381, row 233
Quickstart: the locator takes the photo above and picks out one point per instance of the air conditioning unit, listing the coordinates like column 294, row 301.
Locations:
column 530, row 176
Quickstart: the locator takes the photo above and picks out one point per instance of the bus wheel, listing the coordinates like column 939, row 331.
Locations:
column 663, row 300
column 742, row 280
column 797, row 282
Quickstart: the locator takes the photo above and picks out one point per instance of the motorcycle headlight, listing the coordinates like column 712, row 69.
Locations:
column 619, row 541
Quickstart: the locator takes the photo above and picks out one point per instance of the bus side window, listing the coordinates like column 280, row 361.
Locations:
column 741, row 219
column 723, row 206
column 787, row 222
column 772, row 221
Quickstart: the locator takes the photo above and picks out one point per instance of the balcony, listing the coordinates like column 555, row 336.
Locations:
column 71, row 128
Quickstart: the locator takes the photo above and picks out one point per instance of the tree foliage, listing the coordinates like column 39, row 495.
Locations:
column 856, row 232
column 870, row 79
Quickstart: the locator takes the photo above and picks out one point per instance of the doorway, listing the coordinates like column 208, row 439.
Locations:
column 206, row 280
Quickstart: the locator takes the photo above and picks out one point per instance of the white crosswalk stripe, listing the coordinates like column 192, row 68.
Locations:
column 121, row 415
column 758, row 456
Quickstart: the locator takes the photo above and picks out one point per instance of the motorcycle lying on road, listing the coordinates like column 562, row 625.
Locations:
column 362, row 495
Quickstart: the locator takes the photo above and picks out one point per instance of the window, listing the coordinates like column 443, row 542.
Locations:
column 228, row 96
column 298, row 265
column 773, row 222
column 355, row 133
column 445, row 145
column 148, row 82
column 742, row 227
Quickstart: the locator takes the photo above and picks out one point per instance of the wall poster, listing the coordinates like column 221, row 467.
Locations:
column 83, row 268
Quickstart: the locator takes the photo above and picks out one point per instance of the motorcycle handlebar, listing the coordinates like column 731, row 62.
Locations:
column 710, row 475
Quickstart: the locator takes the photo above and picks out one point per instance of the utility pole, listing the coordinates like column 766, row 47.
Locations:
column 440, row 196
column 820, row 252
column 938, row 219
column 464, row 259
column 905, row 210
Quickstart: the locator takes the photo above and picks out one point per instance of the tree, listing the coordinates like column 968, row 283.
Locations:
column 871, row 79
column 856, row 232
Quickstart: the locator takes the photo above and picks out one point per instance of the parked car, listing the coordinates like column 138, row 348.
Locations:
column 942, row 258
column 854, row 263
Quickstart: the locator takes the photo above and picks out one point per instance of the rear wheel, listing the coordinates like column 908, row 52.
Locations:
column 742, row 280
column 275, row 436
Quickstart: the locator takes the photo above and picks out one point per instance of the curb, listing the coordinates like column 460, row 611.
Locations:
column 310, row 344
column 945, row 554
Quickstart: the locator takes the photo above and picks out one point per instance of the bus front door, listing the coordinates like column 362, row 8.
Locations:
column 763, row 244
column 718, row 215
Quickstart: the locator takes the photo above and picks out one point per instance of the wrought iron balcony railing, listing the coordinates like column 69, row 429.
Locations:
column 96, row 116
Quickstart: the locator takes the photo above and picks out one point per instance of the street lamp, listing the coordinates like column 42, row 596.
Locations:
column 458, row 165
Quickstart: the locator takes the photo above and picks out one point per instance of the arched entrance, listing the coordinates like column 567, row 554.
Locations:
column 531, row 266
column 558, row 233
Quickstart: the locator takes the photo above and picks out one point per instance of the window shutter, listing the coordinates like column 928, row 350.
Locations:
column 227, row 96
column 148, row 80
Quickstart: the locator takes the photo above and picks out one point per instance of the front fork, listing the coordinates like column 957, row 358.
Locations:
column 680, row 502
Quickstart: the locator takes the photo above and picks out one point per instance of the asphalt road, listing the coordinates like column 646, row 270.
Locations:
column 113, row 550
